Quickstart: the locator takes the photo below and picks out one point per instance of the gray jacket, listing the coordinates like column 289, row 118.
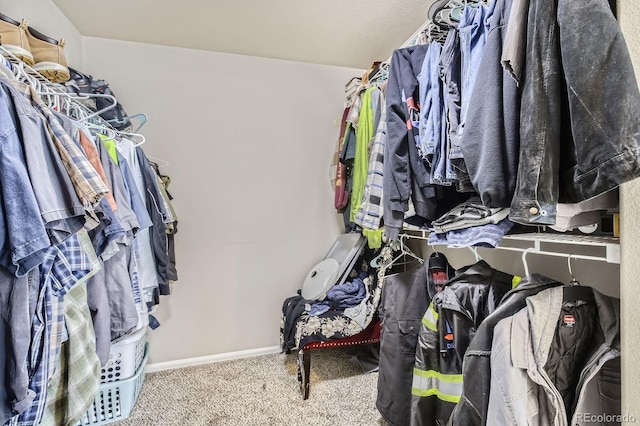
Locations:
column 528, row 350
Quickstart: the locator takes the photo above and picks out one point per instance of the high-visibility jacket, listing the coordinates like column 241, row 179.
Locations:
column 447, row 328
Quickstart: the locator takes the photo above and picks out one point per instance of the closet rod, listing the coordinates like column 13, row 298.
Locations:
column 533, row 250
column 56, row 88
column 610, row 245
column 60, row 89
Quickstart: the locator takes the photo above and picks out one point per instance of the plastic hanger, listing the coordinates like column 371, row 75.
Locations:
column 142, row 117
column 140, row 138
column 435, row 32
column 574, row 292
column 444, row 17
column 164, row 163
column 6, row 69
column 110, row 133
column 379, row 261
column 573, row 281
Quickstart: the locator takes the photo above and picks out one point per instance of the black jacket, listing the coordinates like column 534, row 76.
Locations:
column 472, row 408
column 405, row 297
column 406, row 175
column 447, row 328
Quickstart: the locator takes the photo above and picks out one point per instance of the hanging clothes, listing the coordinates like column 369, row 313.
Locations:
column 476, row 369
column 580, row 113
column 76, row 378
column 555, row 363
column 405, row 297
column 364, row 134
column 491, row 137
column 447, row 328
column 370, row 213
column 158, row 235
column 71, row 214
column 171, row 221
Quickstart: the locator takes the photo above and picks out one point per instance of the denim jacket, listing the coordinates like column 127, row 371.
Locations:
column 580, row 109
column 523, row 362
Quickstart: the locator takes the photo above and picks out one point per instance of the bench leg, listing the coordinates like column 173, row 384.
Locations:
column 304, row 367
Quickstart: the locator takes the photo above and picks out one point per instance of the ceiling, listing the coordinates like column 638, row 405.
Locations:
column 349, row 33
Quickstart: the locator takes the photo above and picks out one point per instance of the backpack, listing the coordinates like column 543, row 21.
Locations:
column 81, row 83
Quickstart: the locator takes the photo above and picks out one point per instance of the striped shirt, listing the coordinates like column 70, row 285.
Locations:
column 369, row 214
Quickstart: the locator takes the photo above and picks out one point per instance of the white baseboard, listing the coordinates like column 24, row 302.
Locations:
column 189, row 362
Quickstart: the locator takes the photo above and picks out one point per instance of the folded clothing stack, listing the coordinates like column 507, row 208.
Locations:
column 471, row 224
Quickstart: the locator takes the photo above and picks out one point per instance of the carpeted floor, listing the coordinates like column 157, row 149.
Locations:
column 259, row 391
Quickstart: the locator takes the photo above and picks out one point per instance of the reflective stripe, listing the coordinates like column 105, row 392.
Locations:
column 447, row 387
column 430, row 318
column 447, row 398
column 515, row 281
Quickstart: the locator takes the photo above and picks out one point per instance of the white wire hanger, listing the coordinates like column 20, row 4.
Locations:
column 524, row 260
column 85, row 96
column 404, row 250
column 573, row 281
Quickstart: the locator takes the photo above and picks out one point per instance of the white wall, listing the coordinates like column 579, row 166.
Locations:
column 44, row 16
column 249, row 142
column 629, row 14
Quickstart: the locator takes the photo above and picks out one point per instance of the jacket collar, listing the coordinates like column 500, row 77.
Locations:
column 530, row 284
column 538, row 323
column 479, row 273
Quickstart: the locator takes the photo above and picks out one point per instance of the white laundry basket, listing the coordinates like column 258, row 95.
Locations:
column 115, row 400
column 125, row 357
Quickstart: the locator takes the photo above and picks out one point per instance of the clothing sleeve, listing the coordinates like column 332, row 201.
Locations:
column 505, row 383
column 22, row 231
column 158, row 230
column 491, row 139
column 397, row 188
column 424, row 388
column 472, row 407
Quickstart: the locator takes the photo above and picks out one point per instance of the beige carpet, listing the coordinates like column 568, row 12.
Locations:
column 259, row 391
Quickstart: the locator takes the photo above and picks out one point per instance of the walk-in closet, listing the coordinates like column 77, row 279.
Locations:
column 408, row 213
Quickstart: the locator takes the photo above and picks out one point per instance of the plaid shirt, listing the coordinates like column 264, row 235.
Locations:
column 369, row 214
column 86, row 181
column 64, row 265
column 75, row 382
column 91, row 152
column 76, row 379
